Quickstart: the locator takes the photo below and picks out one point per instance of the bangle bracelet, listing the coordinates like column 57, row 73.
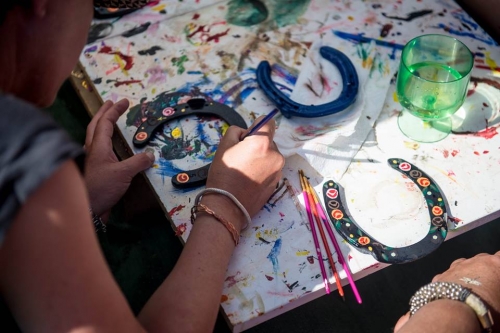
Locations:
column 453, row 291
column 229, row 226
column 99, row 226
column 230, row 196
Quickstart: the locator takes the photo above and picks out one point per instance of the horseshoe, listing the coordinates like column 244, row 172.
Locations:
column 196, row 106
column 365, row 243
column 289, row 108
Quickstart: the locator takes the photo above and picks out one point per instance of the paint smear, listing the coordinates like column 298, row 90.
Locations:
column 129, row 61
column 273, row 255
column 181, row 229
column 175, row 210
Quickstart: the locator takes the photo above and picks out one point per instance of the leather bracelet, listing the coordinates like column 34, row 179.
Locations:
column 230, row 196
column 229, row 226
column 99, row 225
column 452, row 291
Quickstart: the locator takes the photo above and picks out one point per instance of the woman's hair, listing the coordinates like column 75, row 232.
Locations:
column 7, row 5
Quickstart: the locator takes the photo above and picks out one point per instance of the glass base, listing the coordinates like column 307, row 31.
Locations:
column 421, row 130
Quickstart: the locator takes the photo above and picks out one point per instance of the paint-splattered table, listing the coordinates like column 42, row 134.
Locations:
column 172, row 51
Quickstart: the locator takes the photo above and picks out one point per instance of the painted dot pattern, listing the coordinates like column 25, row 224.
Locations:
column 141, row 136
column 365, row 243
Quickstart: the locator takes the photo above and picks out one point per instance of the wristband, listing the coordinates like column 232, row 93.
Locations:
column 453, row 291
column 99, row 226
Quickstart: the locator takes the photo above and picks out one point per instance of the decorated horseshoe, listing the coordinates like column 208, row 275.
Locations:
column 195, row 106
column 357, row 237
column 290, row 108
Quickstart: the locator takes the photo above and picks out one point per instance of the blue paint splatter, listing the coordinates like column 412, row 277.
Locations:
column 486, row 40
column 195, row 72
column 462, row 16
column 273, row 255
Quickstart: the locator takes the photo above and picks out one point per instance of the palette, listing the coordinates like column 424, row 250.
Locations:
column 211, row 50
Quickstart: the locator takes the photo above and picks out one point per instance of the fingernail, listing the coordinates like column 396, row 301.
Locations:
column 123, row 102
column 151, row 156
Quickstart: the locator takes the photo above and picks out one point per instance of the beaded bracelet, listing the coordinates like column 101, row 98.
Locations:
column 453, row 291
column 229, row 226
column 230, row 196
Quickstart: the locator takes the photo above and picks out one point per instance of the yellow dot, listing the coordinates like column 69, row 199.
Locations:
column 176, row 133
column 370, row 248
column 351, row 235
column 439, row 199
column 183, row 110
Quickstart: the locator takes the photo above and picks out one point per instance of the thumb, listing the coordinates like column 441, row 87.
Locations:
column 137, row 163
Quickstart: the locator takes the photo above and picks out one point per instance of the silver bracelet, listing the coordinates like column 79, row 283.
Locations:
column 99, row 226
column 230, row 196
column 453, row 291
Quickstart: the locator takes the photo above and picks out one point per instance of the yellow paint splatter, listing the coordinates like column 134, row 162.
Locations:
column 224, row 128
column 121, row 63
column 412, row 145
column 176, row 133
column 153, row 91
column 490, row 62
column 302, row 253
column 160, row 7
column 155, row 166
column 350, row 18
column 395, row 97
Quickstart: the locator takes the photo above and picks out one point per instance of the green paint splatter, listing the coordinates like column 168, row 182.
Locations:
column 286, row 12
column 179, row 63
column 246, row 13
column 251, row 12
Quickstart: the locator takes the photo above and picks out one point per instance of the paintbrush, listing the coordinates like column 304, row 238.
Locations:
column 261, row 123
column 340, row 256
column 315, row 236
column 315, row 211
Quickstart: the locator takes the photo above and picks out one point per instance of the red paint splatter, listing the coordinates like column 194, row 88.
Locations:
column 349, row 257
column 485, row 105
column 455, row 220
column 476, row 153
column 121, row 83
column 454, row 152
column 281, row 214
column 486, row 152
column 215, row 37
column 446, row 153
column 232, row 279
column 310, row 259
column 487, row 133
column 129, row 61
column 385, row 30
column 196, row 16
column 181, row 229
column 223, row 298
column 175, row 210
column 451, row 173
column 153, row 3
column 326, row 85
column 269, row 278
column 471, row 92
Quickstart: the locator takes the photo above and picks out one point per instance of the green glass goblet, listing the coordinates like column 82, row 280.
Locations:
column 432, row 82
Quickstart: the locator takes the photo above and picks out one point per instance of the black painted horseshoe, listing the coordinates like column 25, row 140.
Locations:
column 290, row 108
column 195, row 106
column 355, row 236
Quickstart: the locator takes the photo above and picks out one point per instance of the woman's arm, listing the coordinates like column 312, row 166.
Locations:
column 53, row 275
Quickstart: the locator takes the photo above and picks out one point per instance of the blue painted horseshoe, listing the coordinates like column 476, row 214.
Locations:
column 289, row 108
column 365, row 243
column 195, row 106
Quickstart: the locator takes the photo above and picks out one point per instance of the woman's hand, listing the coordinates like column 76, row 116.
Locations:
column 249, row 169
column 481, row 274
column 106, row 178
